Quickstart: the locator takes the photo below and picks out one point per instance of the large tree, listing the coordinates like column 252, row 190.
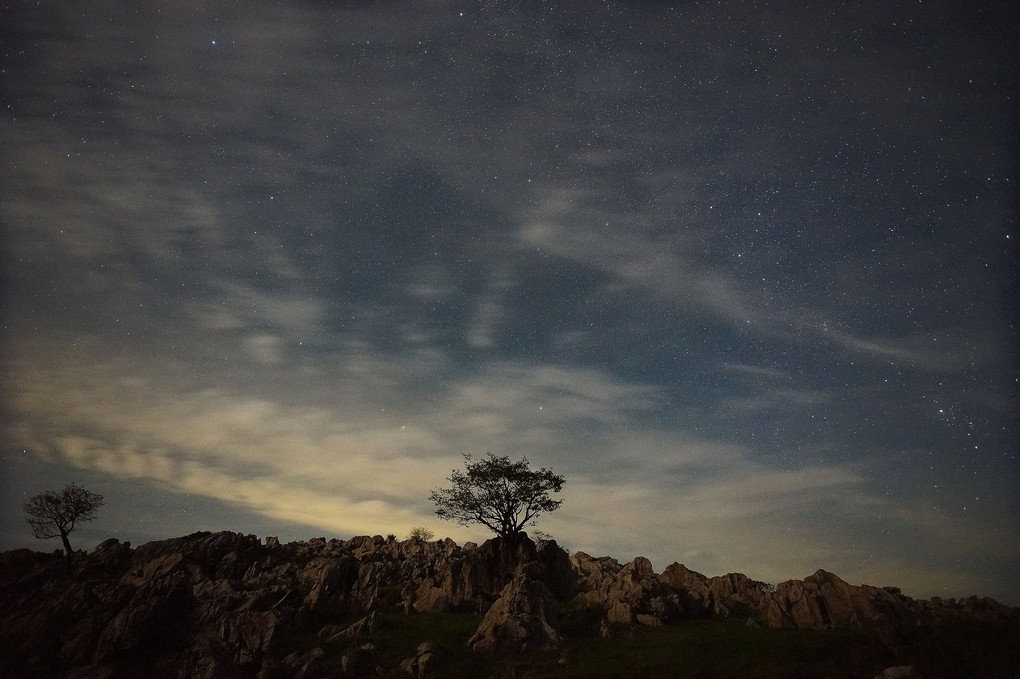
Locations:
column 52, row 514
column 499, row 493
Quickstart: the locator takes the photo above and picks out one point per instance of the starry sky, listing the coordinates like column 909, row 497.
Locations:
column 742, row 273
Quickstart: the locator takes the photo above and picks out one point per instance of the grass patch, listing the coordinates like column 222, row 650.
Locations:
column 718, row 648
column 397, row 638
column 957, row 648
column 696, row 649
column 401, row 634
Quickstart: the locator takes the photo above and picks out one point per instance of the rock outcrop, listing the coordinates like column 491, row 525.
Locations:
column 629, row 594
column 472, row 579
column 823, row 600
column 426, row 660
column 231, row 599
column 635, row 594
column 223, row 604
column 899, row 672
column 521, row 619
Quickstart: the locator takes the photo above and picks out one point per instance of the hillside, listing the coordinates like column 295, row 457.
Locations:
column 225, row 605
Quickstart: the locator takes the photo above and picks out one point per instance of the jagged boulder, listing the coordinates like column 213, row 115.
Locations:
column 359, row 662
column 694, row 593
column 328, row 581
column 297, row 665
column 360, row 629
column 593, row 574
column 425, row 661
column 475, row 578
column 737, row 595
column 971, row 608
column 636, row 595
column 109, row 555
column 215, row 555
column 899, row 672
column 557, row 571
column 633, row 594
column 824, row 600
column 141, row 623
column 521, row 619
column 364, row 591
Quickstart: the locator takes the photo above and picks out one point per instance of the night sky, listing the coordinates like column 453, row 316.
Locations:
column 743, row 274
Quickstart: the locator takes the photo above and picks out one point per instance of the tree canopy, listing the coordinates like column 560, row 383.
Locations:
column 52, row 514
column 499, row 493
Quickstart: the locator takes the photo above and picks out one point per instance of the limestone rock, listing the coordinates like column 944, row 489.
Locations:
column 247, row 633
column 358, row 662
column 425, row 661
column 900, row 672
column 364, row 591
column 824, row 600
column 471, row 580
column 557, row 569
column 295, row 665
column 361, row 629
column 520, row 620
column 328, row 582
column 218, row 604
column 632, row 594
column 695, row 596
column 141, row 623
column 593, row 573
column 736, row 594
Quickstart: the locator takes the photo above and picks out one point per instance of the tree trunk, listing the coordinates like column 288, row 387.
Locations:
column 67, row 545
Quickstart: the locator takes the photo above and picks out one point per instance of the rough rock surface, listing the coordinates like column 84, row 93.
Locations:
column 629, row 594
column 362, row 629
column 472, row 579
column 223, row 604
column 900, row 672
column 426, row 660
column 521, row 619
column 824, row 600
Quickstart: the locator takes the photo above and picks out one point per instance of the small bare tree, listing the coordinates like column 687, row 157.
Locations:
column 52, row 514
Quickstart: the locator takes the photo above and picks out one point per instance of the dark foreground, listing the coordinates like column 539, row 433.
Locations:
column 224, row 605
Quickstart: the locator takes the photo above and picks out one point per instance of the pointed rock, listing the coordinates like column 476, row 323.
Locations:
column 520, row 620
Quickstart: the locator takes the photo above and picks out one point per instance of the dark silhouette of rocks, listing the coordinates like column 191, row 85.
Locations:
column 221, row 604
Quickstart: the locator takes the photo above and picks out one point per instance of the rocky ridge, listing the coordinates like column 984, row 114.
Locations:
column 213, row 605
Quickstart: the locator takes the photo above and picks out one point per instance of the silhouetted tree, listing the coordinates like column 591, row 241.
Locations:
column 498, row 493
column 53, row 514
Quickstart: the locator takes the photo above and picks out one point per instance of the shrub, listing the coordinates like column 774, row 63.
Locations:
column 420, row 534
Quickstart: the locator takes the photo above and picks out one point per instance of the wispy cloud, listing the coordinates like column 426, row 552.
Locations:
column 936, row 351
column 670, row 271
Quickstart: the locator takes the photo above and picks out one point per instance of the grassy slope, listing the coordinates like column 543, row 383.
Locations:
column 701, row 648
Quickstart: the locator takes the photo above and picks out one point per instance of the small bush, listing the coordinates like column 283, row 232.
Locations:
column 420, row 534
